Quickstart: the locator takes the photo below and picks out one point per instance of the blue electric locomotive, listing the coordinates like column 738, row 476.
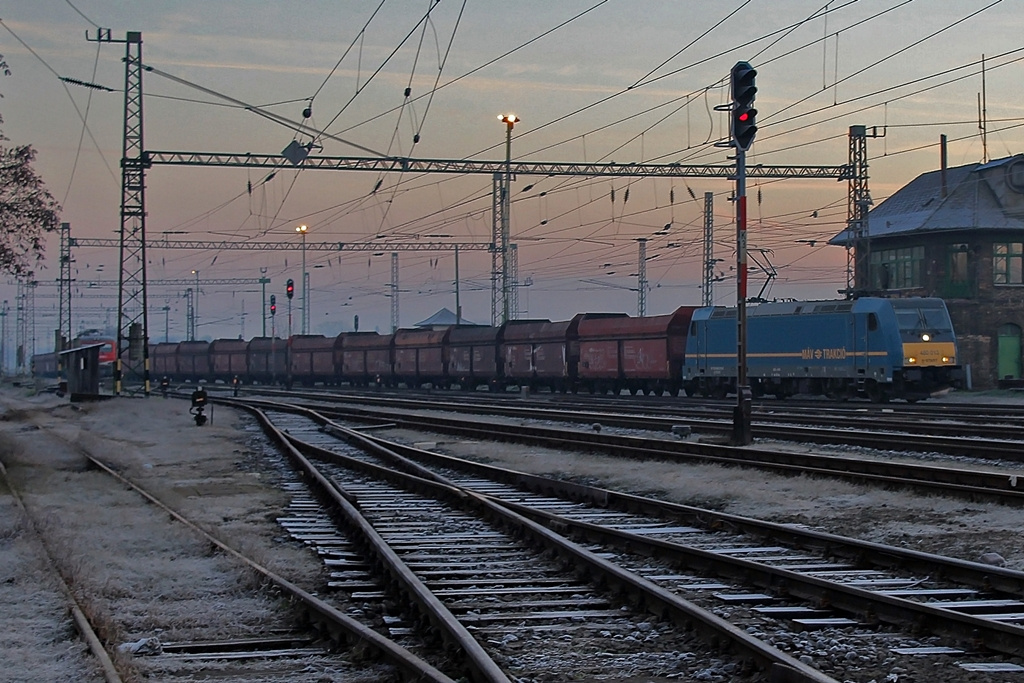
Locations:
column 878, row 348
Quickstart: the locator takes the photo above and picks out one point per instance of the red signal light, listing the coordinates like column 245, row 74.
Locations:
column 745, row 116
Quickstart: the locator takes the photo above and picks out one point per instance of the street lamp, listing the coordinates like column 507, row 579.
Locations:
column 305, row 281
column 510, row 120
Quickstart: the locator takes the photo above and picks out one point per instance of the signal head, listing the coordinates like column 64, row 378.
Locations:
column 289, row 288
column 744, row 116
column 744, row 127
column 742, row 80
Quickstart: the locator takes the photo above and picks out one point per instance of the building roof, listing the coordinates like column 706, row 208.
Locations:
column 441, row 318
column 978, row 197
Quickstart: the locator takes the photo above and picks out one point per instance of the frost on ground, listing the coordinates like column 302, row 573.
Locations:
column 946, row 526
column 137, row 574
column 140, row 576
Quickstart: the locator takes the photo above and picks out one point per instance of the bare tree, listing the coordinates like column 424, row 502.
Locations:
column 27, row 210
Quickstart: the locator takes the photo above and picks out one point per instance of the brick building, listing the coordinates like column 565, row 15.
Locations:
column 956, row 233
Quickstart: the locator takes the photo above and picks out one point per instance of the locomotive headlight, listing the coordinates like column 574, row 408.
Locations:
column 945, row 359
column 926, row 337
column 911, row 360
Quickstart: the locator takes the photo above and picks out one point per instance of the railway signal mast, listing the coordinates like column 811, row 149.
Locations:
column 273, row 335
column 744, row 128
column 289, row 291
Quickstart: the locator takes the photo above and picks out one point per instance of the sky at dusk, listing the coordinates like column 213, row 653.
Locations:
column 592, row 80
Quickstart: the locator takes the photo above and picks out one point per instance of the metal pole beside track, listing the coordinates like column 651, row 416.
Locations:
column 741, row 431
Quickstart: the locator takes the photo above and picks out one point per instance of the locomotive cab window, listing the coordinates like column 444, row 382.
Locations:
column 923, row 322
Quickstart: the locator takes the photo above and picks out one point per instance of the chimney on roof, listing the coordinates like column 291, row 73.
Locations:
column 942, row 155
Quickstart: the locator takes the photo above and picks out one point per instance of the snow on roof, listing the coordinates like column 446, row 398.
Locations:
column 969, row 204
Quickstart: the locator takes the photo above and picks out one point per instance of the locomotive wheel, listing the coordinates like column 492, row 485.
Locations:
column 877, row 394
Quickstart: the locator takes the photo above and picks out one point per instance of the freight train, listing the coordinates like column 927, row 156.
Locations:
column 875, row 348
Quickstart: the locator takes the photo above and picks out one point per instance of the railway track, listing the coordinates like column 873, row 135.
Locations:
column 997, row 436
column 767, row 575
column 999, row 485
column 327, row 624
column 470, row 564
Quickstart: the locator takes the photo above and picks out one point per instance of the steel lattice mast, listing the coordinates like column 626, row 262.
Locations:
column 64, row 316
column 707, row 294
column 131, row 367
column 394, row 292
column 641, row 277
column 858, row 244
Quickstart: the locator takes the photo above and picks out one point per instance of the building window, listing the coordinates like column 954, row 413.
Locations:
column 1008, row 263
column 897, row 268
column 958, row 263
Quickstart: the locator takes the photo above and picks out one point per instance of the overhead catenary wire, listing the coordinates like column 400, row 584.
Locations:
column 259, row 111
column 81, row 135
column 769, row 137
column 828, row 9
column 78, row 112
column 894, row 54
column 79, row 13
column 357, row 37
column 361, row 88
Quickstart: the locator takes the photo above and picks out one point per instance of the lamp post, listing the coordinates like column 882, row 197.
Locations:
column 264, row 281
column 305, row 281
column 510, row 120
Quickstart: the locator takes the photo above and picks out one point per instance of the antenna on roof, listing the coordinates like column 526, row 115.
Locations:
column 983, row 115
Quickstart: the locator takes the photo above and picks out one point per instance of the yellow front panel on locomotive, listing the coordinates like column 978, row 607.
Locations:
column 929, row 354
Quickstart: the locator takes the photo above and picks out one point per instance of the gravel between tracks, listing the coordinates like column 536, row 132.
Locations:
column 138, row 574
column 946, row 526
column 143, row 576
